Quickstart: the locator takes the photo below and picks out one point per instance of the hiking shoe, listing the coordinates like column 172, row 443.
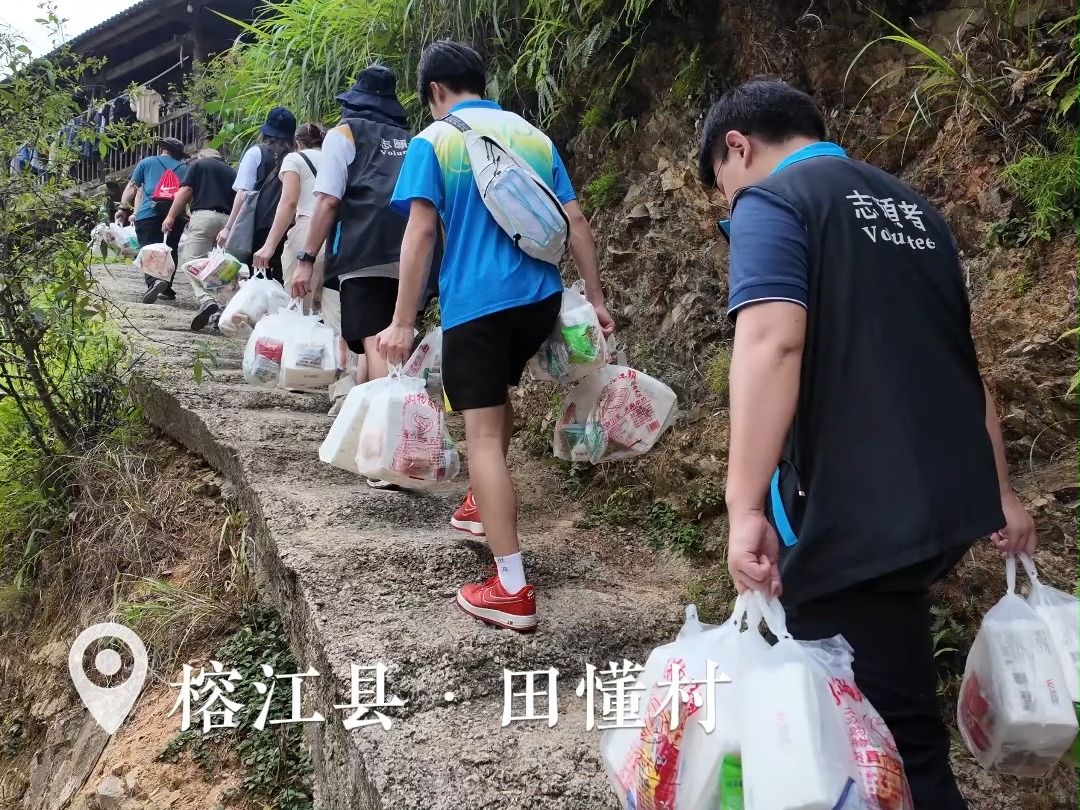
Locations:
column 489, row 602
column 169, row 294
column 378, row 483
column 157, row 289
column 467, row 517
column 207, row 311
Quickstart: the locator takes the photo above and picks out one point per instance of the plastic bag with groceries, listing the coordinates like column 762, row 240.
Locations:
column 403, row 437
column 576, row 347
column 220, row 272
column 1015, row 712
column 677, row 746
column 156, row 261
column 614, row 413
column 292, row 350
column 255, row 299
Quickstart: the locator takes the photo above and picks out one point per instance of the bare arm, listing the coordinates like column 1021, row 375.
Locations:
column 286, row 210
column 765, row 368
column 417, row 248
column 583, row 251
column 993, row 427
column 322, row 220
column 128, row 197
column 238, row 203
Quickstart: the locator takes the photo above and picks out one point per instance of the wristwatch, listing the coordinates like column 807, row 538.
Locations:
column 304, row 256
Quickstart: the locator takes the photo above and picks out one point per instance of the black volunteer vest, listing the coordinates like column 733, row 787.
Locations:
column 888, row 462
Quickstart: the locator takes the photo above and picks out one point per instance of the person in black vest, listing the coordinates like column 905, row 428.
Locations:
column 361, row 159
column 865, row 453
column 258, row 171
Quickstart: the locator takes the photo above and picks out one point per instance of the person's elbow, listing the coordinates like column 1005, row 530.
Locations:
column 327, row 202
column 773, row 329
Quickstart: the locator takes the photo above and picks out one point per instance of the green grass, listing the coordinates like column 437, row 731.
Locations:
column 666, row 530
column 606, row 190
column 718, row 370
column 1046, row 181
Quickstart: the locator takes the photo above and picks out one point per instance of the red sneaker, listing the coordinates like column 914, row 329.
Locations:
column 489, row 602
column 467, row 517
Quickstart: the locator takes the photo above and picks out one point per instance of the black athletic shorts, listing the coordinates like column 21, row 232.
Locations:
column 367, row 307
column 482, row 358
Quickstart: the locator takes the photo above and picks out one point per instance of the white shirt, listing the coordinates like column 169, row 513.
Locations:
column 293, row 162
column 338, row 151
column 247, row 172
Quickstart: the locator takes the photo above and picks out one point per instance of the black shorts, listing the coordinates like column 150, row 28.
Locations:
column 482, row 358
column 367, row 307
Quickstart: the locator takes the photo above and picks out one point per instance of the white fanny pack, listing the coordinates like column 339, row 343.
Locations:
column 522, row 203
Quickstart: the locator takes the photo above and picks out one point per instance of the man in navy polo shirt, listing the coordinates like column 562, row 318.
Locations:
column 865, row 454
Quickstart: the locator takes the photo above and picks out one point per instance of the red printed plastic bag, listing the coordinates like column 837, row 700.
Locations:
column 427, row 358
column 615, row 413
column 881, row 783
column 156, row 261
column 1015, row 714
column 404, row 437
column 680, row 724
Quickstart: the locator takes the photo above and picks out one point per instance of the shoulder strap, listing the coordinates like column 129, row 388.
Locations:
column 310, row 165
column 456, row 122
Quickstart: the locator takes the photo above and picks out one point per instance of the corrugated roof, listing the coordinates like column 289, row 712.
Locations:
column 101, row 26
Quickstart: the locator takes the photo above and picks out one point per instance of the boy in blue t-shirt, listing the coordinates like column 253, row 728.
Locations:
column 498, row 304
column 151, row 214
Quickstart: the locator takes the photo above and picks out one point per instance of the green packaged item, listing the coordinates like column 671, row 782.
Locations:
column 730, row 793
column 579, row 343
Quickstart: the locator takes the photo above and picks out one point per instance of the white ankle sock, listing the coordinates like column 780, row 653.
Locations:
column 511, row 572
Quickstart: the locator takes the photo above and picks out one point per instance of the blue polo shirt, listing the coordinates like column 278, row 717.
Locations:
column 768, row 259
column 483, row 271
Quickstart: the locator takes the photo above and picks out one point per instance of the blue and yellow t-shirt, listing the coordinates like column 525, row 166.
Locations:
column 483, row 271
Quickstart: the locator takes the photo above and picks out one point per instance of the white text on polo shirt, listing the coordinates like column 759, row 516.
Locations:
column 896, row 212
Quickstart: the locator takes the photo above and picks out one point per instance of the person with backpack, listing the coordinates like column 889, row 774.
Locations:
column 866, row 455
column 156, row 181
column 499, row 291
column 361, row 158
column 292, row 221
column 258, row 190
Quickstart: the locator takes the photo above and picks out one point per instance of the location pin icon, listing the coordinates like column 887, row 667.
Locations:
column 108, row 705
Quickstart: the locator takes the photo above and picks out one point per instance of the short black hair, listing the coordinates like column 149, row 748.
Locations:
column 453, row 64
column 769, row 109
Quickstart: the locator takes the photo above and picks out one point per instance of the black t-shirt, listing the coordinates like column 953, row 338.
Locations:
column 888, row 462
column 211, row 180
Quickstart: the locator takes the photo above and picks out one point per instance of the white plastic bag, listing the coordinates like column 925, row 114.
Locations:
column 221, row 271
column 795, row 751
column 427, row 358
column 880, row 779
column 1061, row 612
column 576, row 347
column 1014, row 713
column 341, row 444
column 122, row 238
column 156, row 261
column 614, row 413
column 265, row 347
column 649, row 763
column 311, row 359
column 254, row 300
column 404, row 437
